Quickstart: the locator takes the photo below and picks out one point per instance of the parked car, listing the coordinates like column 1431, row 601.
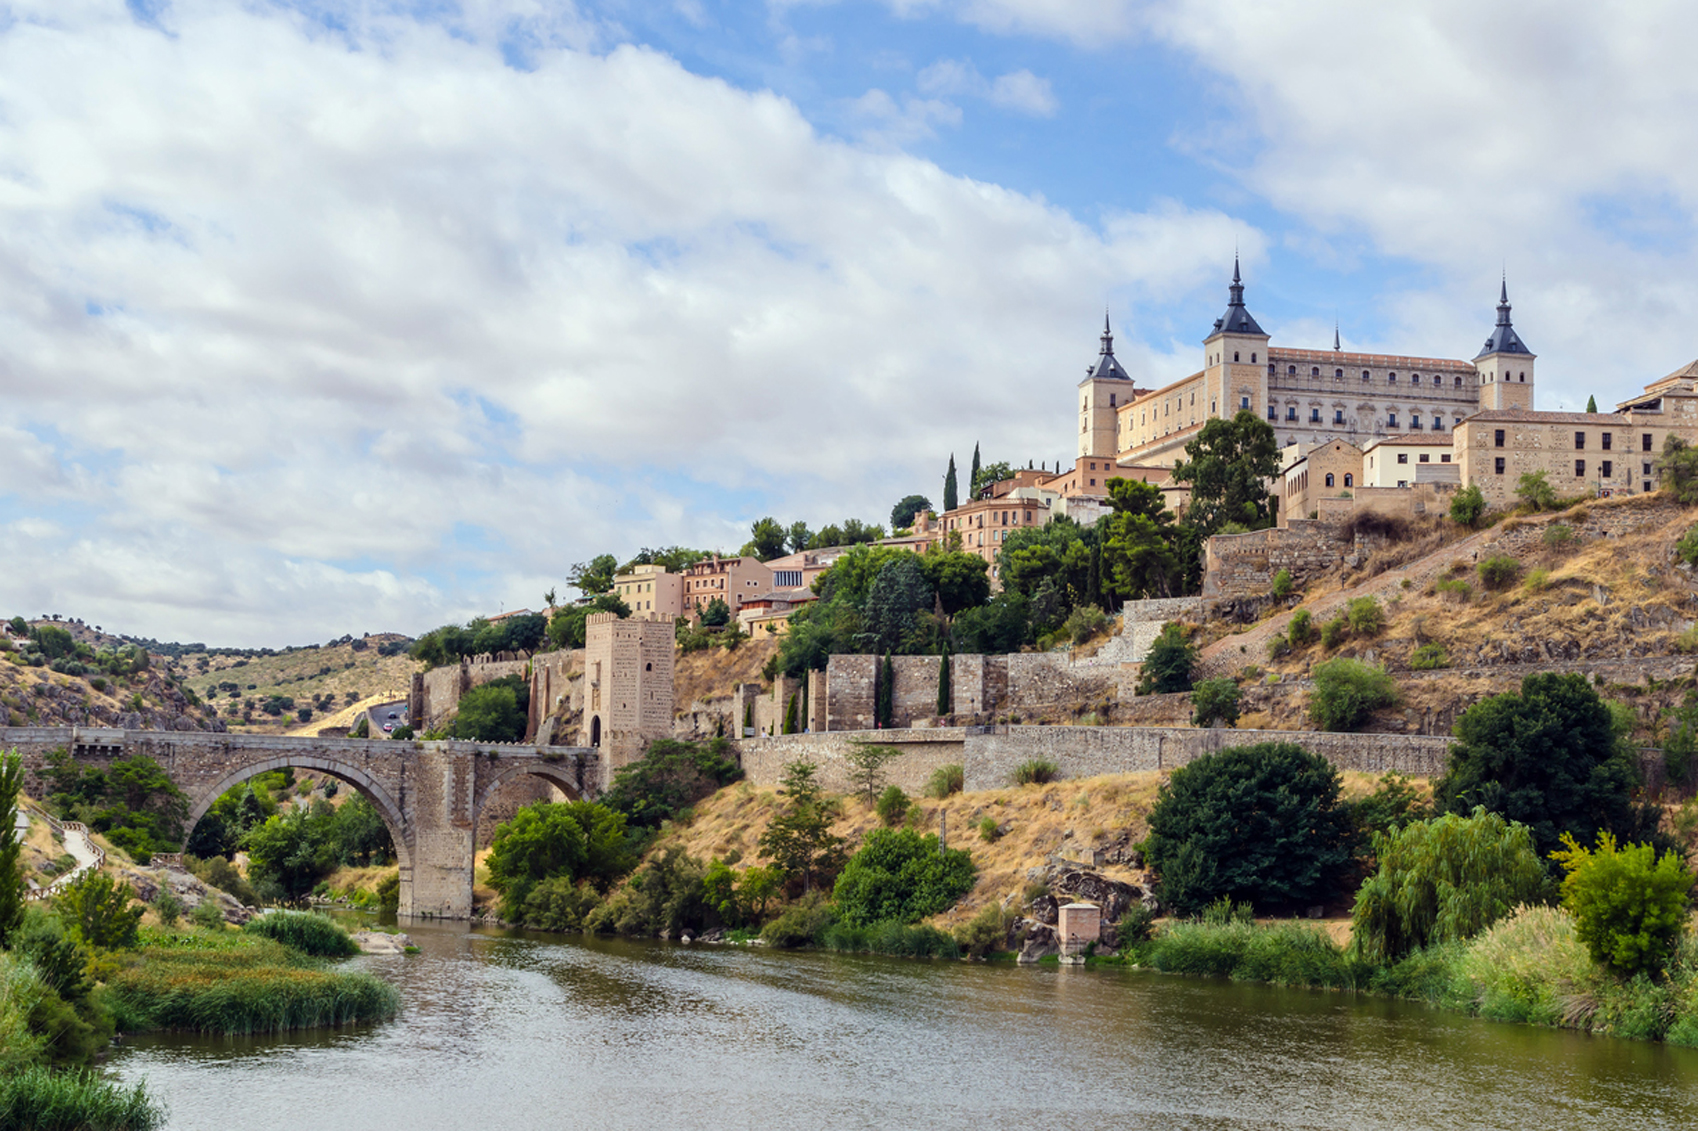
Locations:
column 387, row 727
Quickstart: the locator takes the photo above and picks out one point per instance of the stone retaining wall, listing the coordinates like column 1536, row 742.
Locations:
column 924, row 750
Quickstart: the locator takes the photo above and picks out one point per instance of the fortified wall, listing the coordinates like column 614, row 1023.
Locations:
column 980, row 687
column 436, row 694
column 1243, row 565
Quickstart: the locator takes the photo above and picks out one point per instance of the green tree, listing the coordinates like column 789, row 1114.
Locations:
column 1228, row 466
column 960, row 580
column 566, row 627
column 1348, row 691
column 884, row 709
column 1546, row 756
column 1677, row 470
column 1141, row 549
column 1468, row 506
column 1167, row 665
column 1535, row 491
column 1214, row 701
column 493, row 712
column 799, row 841
column 594, row 576
column 1591, row 404
column 291, row 852
column 945, row 699
column 798, row 537
column 990, row 474
column 716, row 613
column 670, row 777
column 973, row 474
column 898, row 594
column 12, row 885
column 1262, row 824
column 577, row 840
column 951, row 498
column 902, row 876
column 999, row 626
column 1444, row 879
column 790, row 715
column 904, row 512
column 866, row 768
column 1630, row 906
column 97, row 912
column 766, row 539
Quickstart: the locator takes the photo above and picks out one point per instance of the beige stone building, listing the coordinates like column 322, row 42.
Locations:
column 1310, row 396
column 1581, row 453
column 1013, row 504
column 1398, row 461
column 651, row 590
column 627, row 686
column 732, row 580
column 1329, row 470
column 769, row 613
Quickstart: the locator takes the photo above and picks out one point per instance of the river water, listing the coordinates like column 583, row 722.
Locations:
column 531, row 1031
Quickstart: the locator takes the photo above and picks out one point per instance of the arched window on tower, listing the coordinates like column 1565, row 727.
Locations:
column 1523, row 377
column 1329, row 479
column 1349, row 480
column 1235, row 355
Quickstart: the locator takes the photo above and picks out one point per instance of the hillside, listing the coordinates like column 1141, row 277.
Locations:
column 322, row 679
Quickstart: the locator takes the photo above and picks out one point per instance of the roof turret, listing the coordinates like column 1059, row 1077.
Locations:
column 1236, row 320
column 1504, row 339
column 1106, row 366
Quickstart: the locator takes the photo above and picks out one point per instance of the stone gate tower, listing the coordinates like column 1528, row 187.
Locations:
column 627, row 687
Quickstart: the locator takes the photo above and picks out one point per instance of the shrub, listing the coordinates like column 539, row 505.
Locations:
column 1282, row 584
column 1538, row 579
column 670, row 777
column 1394, row 803
column 1261, row 823
column 946, row 780
column 1301, row 630
column 1499, row 571
column 801, row 923
column 208, row 914
column 576, row 839
column 1084, row 622
column 897, row 939
column 167, row 906
column 1333, row 633
column 1214, row 701
column 38, row 1099
column 1366, row 617
column 1278, row 645
column 1468, row 505
column 1454, row 587
column 903, row 876
column 1285, row 954
column 304, row 931
column 1535, row 491
column 988, row 831
column 985, row 932
column 1687, row 548
column 1429, row 658
column 893, row 805
column 1443, row 879
column 1558, row 534
column 1167, row 666
column 1629, row 904
column 217, row 872
column 96, row 911
column 561, row 904
column 1347, row 691
column 1036, row 771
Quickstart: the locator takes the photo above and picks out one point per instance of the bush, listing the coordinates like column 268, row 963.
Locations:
column 580, row 840
column 670, row 777
column 1261, row 823
column 1084, row 622
column 1285, row 954
column 96, row 911
column 1333, row 633
column 1629, row 905
column 1468, row 505
column 1348, row 691
column 1393, row 804
column 896, row 939
column 1366, row 617
column 1282, row 584
column 946, row 780
column 1302, row 628
column 1167, row 666
column 893, row 805
column 1278, row 645
column 1442, row 880
column 1558, row 534
column 217, row 872
column 801, row 923
column 207, row 914
column 1535, row 491
column 902, row 876
column 167, row 906
column 1429, row 658
column 1499, row 572
column 1454, row 587
column 560, row 904
column 988, row 830
column 1537, row 580
column 985, row 932
column 1036, row 771
column 1214, row 701
column 311, row 934
column 1686, row 549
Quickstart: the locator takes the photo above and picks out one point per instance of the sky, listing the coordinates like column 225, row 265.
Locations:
column 327, row 316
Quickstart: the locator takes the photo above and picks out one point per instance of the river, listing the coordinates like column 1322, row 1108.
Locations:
column 533, row 1031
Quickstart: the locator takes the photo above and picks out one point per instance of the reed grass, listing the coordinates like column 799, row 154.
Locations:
column 306, row 932
column 37, row 1099
column 240, row 984
column 900, row 940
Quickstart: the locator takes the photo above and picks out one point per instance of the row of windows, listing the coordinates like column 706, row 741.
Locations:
column 1403, row 457
column 1349, row 479
column 1605, row 440
column 1391, row 378
column 1606, row 469
column 1338, row 418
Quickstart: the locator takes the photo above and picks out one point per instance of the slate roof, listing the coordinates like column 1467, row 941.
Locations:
column 1107, row 366
column 1504, row 339
column 1236, row 320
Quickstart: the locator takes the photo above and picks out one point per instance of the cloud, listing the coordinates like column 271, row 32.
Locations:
column 1085, row 23
column 1021, row 90
column 372, row 322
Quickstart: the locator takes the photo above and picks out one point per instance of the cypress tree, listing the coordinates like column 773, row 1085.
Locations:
column 790, row 715
column 11, row 848
column 886, row 705
column 944, row 696
column 1094, row 577
column 950, row 499
column 1591, row 404
column 974, row 481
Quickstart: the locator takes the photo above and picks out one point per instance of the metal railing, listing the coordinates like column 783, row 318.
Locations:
column 67, row 829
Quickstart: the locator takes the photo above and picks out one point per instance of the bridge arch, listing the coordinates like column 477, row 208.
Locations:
column 400, row 831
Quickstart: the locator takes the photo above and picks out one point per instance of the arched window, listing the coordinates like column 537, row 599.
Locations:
column 1523, row 377
column 1391, row 378
column 1459, row 380
column 1364, row 374
column 1414, row 378
column 1252, row 359
column 1349, row 480
column 1329, row 479
column 1314, row 371
column 1338, row 375
column 1272, row 369
column 1291, row 371
column 1234, row 355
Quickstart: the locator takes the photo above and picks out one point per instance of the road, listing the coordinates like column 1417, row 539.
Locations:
column 390, row 714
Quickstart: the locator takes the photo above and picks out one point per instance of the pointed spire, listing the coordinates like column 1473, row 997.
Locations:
column 1503, row 302
column 1235, row 267
column 1335, row 342
column 1236, row 320
column 1504, row 339
column 1108, row 337
column 1503, row 289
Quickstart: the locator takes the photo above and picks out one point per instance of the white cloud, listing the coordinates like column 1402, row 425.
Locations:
column 295, row 314
column 1086, row 23
column 1021, row 90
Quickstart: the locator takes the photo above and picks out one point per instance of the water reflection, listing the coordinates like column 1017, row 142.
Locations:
column 529, row 1030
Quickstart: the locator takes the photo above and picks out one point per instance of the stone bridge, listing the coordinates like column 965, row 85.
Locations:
column 432, row 795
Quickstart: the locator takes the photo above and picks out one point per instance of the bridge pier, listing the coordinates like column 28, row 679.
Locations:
column 431, row 795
